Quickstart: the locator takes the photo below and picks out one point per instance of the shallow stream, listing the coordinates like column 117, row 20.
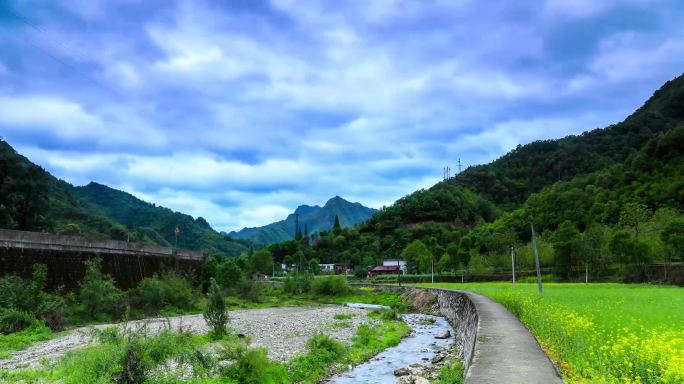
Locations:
column 420, row 347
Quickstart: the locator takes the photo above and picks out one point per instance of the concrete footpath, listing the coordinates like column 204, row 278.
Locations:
column 505, row 351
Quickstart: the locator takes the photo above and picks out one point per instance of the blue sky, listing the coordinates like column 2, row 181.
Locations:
column 241, row 110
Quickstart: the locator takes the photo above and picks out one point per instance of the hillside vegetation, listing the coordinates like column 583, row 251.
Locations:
column 31, row 199
column 608, row 201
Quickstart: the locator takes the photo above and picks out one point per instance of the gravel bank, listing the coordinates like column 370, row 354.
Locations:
column 283, row 331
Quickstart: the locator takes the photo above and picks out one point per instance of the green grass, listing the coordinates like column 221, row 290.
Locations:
column 601, row 333
column 451, row 373
column 20, row 340
column 104, row 362
column 370, row 296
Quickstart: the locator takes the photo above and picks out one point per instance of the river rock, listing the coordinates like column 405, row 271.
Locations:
column 438, row 358
column 401, row 372
column 445, row 335
column 420, row 380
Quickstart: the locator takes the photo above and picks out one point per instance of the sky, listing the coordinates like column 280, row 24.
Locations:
column 240, row 110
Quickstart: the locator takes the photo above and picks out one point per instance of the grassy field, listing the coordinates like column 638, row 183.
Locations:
column 601, row 333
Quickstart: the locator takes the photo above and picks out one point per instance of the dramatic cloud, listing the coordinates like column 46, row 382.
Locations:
column 239, row 111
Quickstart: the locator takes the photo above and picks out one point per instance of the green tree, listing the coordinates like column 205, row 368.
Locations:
column 633, row 215
column 567, row 249
column 315, row 266
column 215, row 310
column 337, row 228
column 229, row 274
column 97, row 292
column 673, row 238
column 261, row 261
column 417, row 257
column 70, row 230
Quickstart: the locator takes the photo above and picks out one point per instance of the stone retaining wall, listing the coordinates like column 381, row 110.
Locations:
column 459, row 311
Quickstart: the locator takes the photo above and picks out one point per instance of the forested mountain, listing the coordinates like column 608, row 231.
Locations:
column 312, row 220
column 602, row 188
column 31, row 199
column 509, row 180
column 157, row 223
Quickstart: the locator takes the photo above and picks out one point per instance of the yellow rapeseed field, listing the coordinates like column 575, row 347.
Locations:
column 601, row 333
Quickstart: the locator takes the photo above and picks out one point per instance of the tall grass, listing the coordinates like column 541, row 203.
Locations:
column 601, row 333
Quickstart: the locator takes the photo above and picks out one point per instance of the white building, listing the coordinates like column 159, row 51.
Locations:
column 327, row 267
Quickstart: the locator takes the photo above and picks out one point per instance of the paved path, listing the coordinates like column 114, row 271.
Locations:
column 505, row 351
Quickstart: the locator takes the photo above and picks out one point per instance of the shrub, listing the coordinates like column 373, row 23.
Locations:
column 386, row 314
column 14, row 320
column 451, row 374
column 298, row 285
column 133, row 367
column 28, row 295
column 170, row 290
column 330, row 286
column 253, row 367
column 98, row 293
column 51, row 311
column 251, row 291
column 215, row 310
column 322, row 343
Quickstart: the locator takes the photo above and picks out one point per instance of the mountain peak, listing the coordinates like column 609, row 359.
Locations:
column 336, row 200
column 314, row 218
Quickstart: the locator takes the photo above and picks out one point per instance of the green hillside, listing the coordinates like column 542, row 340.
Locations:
column 609, row 197
column 509, row 180
column 156, row 222
column 31, row 199
column 313, row 219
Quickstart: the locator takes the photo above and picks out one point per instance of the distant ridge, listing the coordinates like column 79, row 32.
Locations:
column 314, row 218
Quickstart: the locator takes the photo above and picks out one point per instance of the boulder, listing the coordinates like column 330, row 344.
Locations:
column 445, row 335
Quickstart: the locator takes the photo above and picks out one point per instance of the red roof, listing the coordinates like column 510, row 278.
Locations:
column 385, row 268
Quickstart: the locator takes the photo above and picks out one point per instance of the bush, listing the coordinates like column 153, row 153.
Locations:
column 98, row 293
column 330, row 286
column 14, row 320
column 386, row 314
column 51, row 311
column 251, row 291
column 215, row 310
column 322, row 343
column 28, row 295
column 171, row 290
column 298, row 285
column 253, row 367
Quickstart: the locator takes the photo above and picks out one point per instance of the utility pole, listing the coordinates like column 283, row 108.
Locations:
column 176, row 231
column 536, row 258
column 586, row 273
column 513, row 263
column 459, row 165
column 433, row 269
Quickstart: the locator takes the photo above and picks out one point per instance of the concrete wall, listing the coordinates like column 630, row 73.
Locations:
column 46, row 242
column 64, row 256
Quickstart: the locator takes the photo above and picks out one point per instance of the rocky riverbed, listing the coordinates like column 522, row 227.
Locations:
column 283, row 331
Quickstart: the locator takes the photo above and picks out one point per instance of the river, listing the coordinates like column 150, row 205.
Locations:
column 418, row 348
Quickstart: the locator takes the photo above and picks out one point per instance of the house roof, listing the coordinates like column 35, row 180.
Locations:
column 385, row 268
